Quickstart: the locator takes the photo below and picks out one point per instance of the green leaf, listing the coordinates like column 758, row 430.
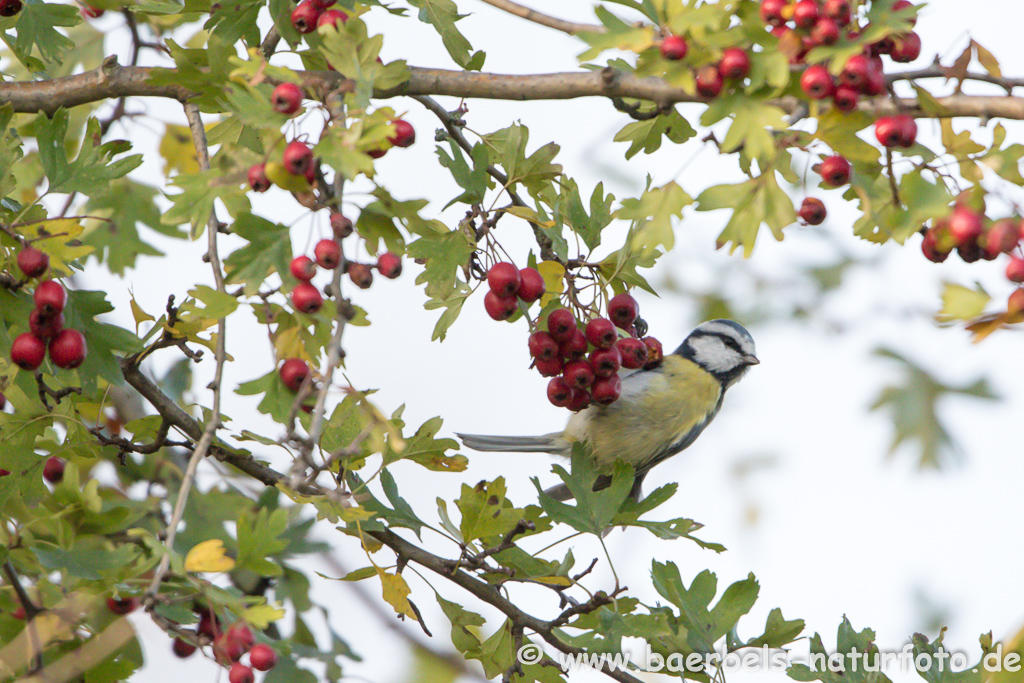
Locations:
column 475, row 181
column 269, row 250
column 234, row 21
column 93, row 169
column 444, row 256
column 37, row 24
column 777, row 631
column 594, row 510
column 962, row 303
column 464, row 624
column 423, row 449
column 646, row 135
column 259, row 538
column 106, row 342
column 913, row 406
column 652, row 214
column 199, row 192
column 931, row 662
column 756, row 201
column 485, row 512
column 442, row 15
column 535, row 171
column 752, row 126
column 572, row 212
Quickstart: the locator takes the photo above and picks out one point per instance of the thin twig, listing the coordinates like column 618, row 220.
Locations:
column 570, row 27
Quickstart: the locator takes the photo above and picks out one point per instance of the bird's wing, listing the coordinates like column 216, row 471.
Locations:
column 545, row 443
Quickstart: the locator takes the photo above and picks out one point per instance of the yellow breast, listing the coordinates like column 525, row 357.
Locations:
column 656, row 409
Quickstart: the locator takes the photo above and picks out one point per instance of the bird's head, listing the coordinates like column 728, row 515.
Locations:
column 722, row 347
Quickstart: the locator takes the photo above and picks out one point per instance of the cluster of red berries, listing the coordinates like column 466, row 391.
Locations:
column 508, row 286
column 584, row 363
column 973, row 237
column 734, row 65
column 46, row 322
column 297, row 159
column 309, row 15
column 229, row 647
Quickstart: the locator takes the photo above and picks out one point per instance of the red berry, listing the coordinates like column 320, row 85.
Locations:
column 838, row 10
column 287, row 98
column 1001, row 237
column 1015, row 270
column 53, row 470
column 812, row 211
column 531, row 285
column 709, row 81
column 182, row 648
column 298, row 157
column 855, row 72
column 889, row 131
column 559, row 392
column 543, row 346
column 835, row 171
column 389, row 265
column 633, row 352
column 580, row 400
column 908, row 130
column 3, row 404
column 906, row 48
column 969, row 252
column 771, row 12
column 45, row 327
column 601, row 333
column 575, row 348
column 90, row 12
column 816, row 82
column 360, row 274
column 654, row 351
column 341, row 226
column 825, row 32
column 209, row 623
column 328, row 254
column 503, row 279
column 304, row 18
column 331, row 18
column 50, row 297
column 68, row 349
column 549, row 368
column 579, row 374
column 845, row 98
column 623, row 310
column 33, row 262
column 965, row 225
column 122, row 605
column 258, row 179
column 240, row 673
column 28, row 351
column 294, row 372
column 805, row 13
column 561, row 325
column 262, row 657
column 876, row 83
column 404, row 135
column 323, row 4
column 606, row 390
column 673, row 48
column 606, row 362
column 306, row 298
column 242, row 634
column 735, row 63
column 930, row 247
column 8, row 8
column 302, row 268
column 500, row 307
column 377, row 153
column 1015, row 304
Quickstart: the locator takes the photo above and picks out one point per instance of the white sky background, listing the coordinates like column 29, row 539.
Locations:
column 830, row 526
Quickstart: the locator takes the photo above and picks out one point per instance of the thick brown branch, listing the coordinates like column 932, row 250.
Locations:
column 114, row 81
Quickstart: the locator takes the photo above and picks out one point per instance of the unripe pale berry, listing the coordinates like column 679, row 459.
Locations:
column 673, row 48
column 404, row 135
column 293, row 373
column 302, row 268
column 262, row 657
column 503, row 279
column 500, row 307
column 561, row 325
column 50, row 297
column 287, row 98
column 28, row 351
column 53, row 470
column 327, row 253
column 33, row 262
column 68, row 349
column 600, row 332
column 306, row 298
column 531, row 285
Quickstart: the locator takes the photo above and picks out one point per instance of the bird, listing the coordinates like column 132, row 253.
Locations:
column 660, row 412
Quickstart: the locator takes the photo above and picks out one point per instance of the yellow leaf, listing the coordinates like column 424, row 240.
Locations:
column 140, row 315
column 961, row 303
column 260, row 616
column 356, row 514
column 554, row 580
column 553, row 273
column 528, row 214
column 288, row 343
column 285, row 180
column 396, row 593
column 178, row 151
column 58, row 238
column 987, row 60
column 208, row 556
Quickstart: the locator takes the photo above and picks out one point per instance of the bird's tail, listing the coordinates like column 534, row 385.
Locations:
column 545, row 443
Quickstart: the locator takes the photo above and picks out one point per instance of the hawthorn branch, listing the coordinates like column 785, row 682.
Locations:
column 113, row 81
column 570, row 27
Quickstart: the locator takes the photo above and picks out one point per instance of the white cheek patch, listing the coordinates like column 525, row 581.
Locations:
column 711, row 352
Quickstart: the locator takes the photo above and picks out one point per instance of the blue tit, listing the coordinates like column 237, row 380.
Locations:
column 661, row 411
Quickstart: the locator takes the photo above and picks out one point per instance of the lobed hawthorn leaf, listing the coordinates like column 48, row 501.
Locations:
column 753, row 202
column 913, row 406
column 93, row 169
column 423, row 449
column 444, row 255
column 962, row 303
column 1004, row 161
column 259, row 538
column 594, row 510
column 647, row 135
column 350, row 50
column 464, row 623
column 652, row 215
column 452, row 308
column 777, row 631
column 475, row 181
column 534, row 171
column 753, row 122
column 848, row 641
column 442, row 15
column 618, row 35
column 269, row 250
column 37, row 25
column 234, row 21
column 572, row 212
column 934, row 663
column 486, row 514
column 375, row 224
